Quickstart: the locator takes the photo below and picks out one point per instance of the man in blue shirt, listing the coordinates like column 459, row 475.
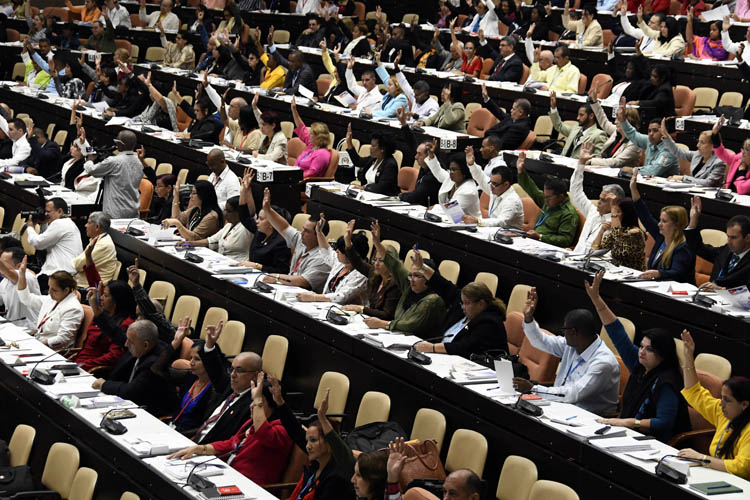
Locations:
column 660, row 162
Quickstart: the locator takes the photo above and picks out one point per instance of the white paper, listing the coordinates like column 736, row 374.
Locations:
column 305, row 92
column 717, row 14
column 117, row 120
column 346, row 99
column 453, row 210
column 739, row 297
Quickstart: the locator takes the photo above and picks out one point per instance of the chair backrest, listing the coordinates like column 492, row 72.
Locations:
column 132, row 496
column 514, row 331
column 182, row 176
column 281, row 36
column 675, row 6
column 392, row 243
column 135, row 22
column 398, row 155
column 469, row 109
column 542, row 366
column 60, row 137
column 123, row 44
column 212, row 317
column 526, row 72
column 19, row 446
column 84, row 484
column 450, row 269
column 684, row 100
column 516, row 478
column 323, row 82
column 481, row 120
column 374, row 407
column 61, row 12
column 410, row 18
column 60, row 468
column 299, row 220
column 12, row 35
column 336, row 229
column 706, row 98
column 186, row 305
column 294, row 148
column 529, row 141
column 232, row 338
column 517, row 299
column 714, row 364
column 147, row 194
column 604, row 81
column 544, row 490
column 163, row 168
column 487, row 63
column 338, row 383
column 629, row 330
column 530, row 213
column 429, row 424
column 333, row 164
column 163, row 290
column 543, row 127
column 489, row 279
column 731, row 99
column 407, row 179
column 19, row 70
column 417, row 493
column 582, row 81
column 274, row 355
column 155, row 54
column 288, row 129
column 83, row 330
column 409, row 259
column 607, row 37
column 468, row 450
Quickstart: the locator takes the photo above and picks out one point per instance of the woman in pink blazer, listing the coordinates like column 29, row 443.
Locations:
column 738, row 178
column 315, row 158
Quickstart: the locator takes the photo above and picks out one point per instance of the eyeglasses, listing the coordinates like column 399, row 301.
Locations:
column 240, row 371
column 495, row 184
column 416, row 276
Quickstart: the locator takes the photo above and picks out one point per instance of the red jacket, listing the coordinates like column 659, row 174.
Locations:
column 98, row 349
column 261, row 456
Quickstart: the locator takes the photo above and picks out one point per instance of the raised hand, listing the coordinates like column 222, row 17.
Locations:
column 688, row 345
column 133, row 275
column 469, row 151
column 621, row 110
column 417, row 259
column 529, row 307
column 256, row 386
column 552, row 100
column 593, row 289
column 521, row 162
column 321, row 223
column 349, row 143
column 594, row 92
column 323, row 409
column 375, row 230
column 266, row 200
column 639, row 14
column 247, row 178
column 213, row 332
column 323, row 45
column 717, row 126
column 696, row 209
column 183, row 329
column 396, row 459
column 587, row 153
column 275, row 389
column 485, row 95
column 401, row 115
column 663, row 127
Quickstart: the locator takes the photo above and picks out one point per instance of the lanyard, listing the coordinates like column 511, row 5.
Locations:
column 46, row 317
column 335, row 281
column 299, row 261
column 541, row 221
column 492, row 206
column 657, row 258
column 304, row 488
column 573, row 368
column 718, row 445
column 191, row 399
column 230, row 230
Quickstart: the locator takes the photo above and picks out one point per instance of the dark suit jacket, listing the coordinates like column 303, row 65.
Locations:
column 390, row 52
column 720, row 257
column 512, row 133
column 147, row 388
column 272, row 252
column 305, row 76
column 427, row 188
column 386, row 178
column 234, row 416
column 207, row 129
column 682, row 267
column 48, row 161
column 511, row 71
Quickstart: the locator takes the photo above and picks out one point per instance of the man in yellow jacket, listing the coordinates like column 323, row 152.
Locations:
column 562, row 76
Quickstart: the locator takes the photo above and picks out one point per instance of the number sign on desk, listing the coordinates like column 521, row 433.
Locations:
column 264, row 175
column 448, row 143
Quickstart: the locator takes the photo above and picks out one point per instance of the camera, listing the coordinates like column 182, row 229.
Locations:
column 39, row 214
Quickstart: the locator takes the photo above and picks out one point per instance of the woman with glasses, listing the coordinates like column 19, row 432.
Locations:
column 651, row 402
column 161, row 203
column 273, row 147
column 419, row 310
column 345, row 284
column 457, row 184
column 738, row 179
column 201, row 218
column 233, row 240
column 475, row 319
column 382, row 293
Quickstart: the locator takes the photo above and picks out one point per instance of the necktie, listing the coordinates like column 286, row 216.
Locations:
column 216, row 417
column 733, row 262
column 475, row 28
column 569, row 152
column 135, row 367
column 499, row 67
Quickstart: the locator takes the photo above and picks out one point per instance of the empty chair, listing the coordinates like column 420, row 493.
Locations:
column 374, row 407
column 706, row 98
column 543, row 127
column 714, row 364
column 60, row 137
column 232, row 338
column 417, row 493
column 489, row 279
column 182, row 176
column 187, row 305
column 60, row 468
column 731, row 99
column 83, row 485
column 155, row 54
column 544, row 490
column 481, row 120
column 212, row 317
column 338, row 383
column 450, row 269
column 516, row 479
column 409, row 259
column 274, row 355
column 468, row 450
column 165, row 292
column 129, row 496
column 429, row 424
column 281, row 36
column 20, row 444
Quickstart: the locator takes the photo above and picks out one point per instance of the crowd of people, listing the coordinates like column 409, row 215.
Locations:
column 234, row 409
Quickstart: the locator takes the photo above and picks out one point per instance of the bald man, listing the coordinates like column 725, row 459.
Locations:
column 121, row 177
column 232, row 110
column 225, row 182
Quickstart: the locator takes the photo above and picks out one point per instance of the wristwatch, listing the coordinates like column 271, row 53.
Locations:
column 637, row 424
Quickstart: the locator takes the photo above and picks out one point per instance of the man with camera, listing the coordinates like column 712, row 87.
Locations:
column 121, row 177
column 61, row 240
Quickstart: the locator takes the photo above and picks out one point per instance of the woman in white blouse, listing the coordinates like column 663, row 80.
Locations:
column 456, row 183
column 273, row 145
column 59, row 313
column 233, row 240
column 344, row 285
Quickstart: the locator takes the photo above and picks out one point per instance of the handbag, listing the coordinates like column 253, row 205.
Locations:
column 422, row 462
column 15, row 480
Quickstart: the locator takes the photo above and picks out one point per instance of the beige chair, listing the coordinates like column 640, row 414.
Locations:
column 2, row 216
column 338, row 383
column 394, row 244
column 409, row 259
column 706, row 98
column 374, row 407
column 203, row 177
column 468, row 450
column 470, row 108
column 19, row 70
column 129, row 496
column 163, row 168
column 150, row 162
column 299, row 221
column 20, row 444
column 731, row 99
column 18, row 223
column 84, row 484
column 364, row 150
column 60, row 137
column 410, row 19
column 543, row 127
column 546, row 490
column 714, row 237
column 186, row 305
column 398, row 155
column 134, row 52
column 489, row 279
column 629, row 329
column 50, row 130
column 182, row 176
column 336, row 229
column 680, row 348
column 714, row 364
column 429, row 424
column 60, row 468
column 232, row 338
column 280, row 36
column 274, row 355
column 288, row 129
column 517, row 299
column 155, row 54
column 450, row 269
column 516, row 478
column 212, row 317
column 164, row 291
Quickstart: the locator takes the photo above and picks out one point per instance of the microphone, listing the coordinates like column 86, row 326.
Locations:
column 113, row 426
column 431, row 217
column 132, row 231
column 420, row 357
column 199, row 483
column 337, row 318
column 702, row 300
column 548, row 393
column 665, row 471
column 191, row 257
column 40, row 375
column 263, row 287
column 587, row 265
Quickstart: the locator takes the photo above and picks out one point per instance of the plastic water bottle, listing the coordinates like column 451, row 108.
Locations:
column 579, row 40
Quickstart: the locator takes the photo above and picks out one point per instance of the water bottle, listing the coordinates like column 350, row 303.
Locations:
column 579, row 40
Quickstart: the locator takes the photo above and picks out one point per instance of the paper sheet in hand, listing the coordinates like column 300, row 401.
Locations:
column 453, row 210
column 504, row 371
column 305, row 92
column 716, row 14
column 346, row 99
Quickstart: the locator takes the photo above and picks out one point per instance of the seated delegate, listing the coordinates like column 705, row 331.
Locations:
column 202, row 218
column 233, row 240
column 622, row 236
column 457, row 185
column 379, row 172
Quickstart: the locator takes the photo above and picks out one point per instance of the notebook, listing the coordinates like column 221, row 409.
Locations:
column 223, row 493
column 716, row 488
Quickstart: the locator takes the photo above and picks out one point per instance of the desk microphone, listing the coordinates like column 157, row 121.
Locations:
column 199, row 483
column 537, row 391
column 40, row 375
column 420, row 357
column 587, row 265
column 113, row 426
column 132, row 231
column 264, row 287
column 702, row 300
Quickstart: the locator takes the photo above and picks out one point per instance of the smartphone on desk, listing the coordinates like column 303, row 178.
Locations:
column 120, row 414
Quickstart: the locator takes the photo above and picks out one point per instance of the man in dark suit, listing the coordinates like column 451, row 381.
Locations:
column 45, row 158
column 132, row 377
column 427, row 187
column 512, row 128
column 731, row 261
column 398, row 43
column 300, row 73
column 508, row 65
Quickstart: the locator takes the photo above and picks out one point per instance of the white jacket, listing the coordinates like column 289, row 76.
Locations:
column 57, row 322
column 465, row 194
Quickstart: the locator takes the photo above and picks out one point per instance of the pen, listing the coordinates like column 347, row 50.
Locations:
column 570, row 418
column 492, row 388
column 721, row 486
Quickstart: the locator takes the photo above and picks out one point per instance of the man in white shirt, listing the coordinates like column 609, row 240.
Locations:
column 169, row 19
column 597, row 214
column 61, row 239
column 733, row 47
column 485, row 19
column 490, row 151
column 589, row 374
column 647, row 44
column 506, row 207
column 225, row 182
column 305, row 7
column 118, row 14
column 10, row 262
column 422, row 105
column 16, row 132
column 368, row 95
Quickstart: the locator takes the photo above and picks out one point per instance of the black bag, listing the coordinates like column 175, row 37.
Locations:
column 15, row 480
column 374, row 436
column 732, row 114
